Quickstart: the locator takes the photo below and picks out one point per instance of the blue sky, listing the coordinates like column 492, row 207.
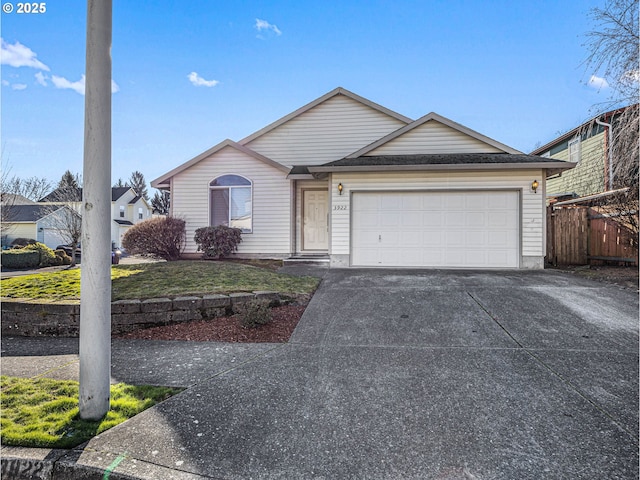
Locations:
column 188, row 74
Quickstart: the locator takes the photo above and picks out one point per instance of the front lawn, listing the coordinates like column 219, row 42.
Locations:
column 162, row 279
column 42, row 412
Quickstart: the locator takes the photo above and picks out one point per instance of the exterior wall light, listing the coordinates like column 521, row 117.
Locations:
column 340, row 188
column 534, row 186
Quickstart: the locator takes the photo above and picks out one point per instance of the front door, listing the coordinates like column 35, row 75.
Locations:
column 315, row 230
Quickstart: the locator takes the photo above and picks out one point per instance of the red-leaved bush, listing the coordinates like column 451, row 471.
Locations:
column 161, row 237
column 217, row 242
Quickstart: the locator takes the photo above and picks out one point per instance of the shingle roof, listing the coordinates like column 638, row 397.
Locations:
column 439, row 159
column 26, row 213
column 117, row 192
column 123, row 222
column 63, row 195
column 458, row 161
column 59, row 195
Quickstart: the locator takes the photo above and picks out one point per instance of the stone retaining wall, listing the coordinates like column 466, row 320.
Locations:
column 56, row 319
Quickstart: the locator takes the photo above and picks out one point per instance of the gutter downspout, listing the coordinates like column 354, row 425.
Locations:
column 609, row 159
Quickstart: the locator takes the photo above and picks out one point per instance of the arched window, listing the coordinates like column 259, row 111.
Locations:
column 230, row 202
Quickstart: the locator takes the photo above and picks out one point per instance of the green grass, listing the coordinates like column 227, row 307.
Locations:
column 163, row 279
column 42, row 412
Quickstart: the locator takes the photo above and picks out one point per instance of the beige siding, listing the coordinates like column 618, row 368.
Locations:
column 532, row 204
column 19, row 230
column 327, row 132
column 271, row 200
column 588, row 176
column 433, row 137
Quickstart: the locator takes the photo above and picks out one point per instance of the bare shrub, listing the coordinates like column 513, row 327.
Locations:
column 162, row 237
column 217, row 242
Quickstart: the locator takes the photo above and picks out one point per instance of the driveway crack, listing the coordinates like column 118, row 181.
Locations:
column 496, row 321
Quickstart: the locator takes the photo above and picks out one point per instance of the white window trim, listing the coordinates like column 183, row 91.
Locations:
column 577, row 150
column 229, row 187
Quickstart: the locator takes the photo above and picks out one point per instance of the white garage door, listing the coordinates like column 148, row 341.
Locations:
column 477, row 229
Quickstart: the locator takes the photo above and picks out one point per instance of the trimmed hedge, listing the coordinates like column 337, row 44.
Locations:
column 20, row 258
column 47, row 255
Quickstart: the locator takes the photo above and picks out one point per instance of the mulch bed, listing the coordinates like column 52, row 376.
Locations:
column 227, row 329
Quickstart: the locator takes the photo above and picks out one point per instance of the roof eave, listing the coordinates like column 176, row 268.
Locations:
column 555, row 166
column 163, row 181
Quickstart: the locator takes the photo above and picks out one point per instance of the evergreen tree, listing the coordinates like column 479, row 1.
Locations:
column 138, row 183
column 160, row 203
column 69, row 181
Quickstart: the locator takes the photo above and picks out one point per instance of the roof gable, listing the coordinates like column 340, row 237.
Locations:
column 325, row 130
column 433, row 134
column 309, row 106
column 163, row 181
column 118, row 192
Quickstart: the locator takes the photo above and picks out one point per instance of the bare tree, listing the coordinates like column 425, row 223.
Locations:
column 160, row 202
column 16, row 191
column 64, row 206
column 613, row 50
column 32, row 188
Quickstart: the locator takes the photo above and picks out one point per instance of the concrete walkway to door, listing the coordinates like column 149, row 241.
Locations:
column 399, row 374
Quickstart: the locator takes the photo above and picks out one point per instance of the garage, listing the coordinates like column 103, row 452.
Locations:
column 446, row 229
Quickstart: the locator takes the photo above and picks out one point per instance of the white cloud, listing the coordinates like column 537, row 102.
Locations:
column 19, row 86
column 598, row 82
column 5, row 83
column 41, row 79
column 264, row 25
column 198, row 81
column 79, row 86
column 17, row 55
column 61, row 82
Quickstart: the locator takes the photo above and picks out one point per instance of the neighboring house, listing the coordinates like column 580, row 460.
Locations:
column 127, row 208
column 365, row 186
column 33, row 221
column 587, row 146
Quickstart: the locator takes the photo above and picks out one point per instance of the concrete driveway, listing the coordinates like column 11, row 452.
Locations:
column 406, row 375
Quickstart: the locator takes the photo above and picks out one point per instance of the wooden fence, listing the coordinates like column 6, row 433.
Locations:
column 579, row 235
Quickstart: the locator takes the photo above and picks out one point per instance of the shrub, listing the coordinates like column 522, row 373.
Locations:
column 62, row 258
column 255, row 313
column 47, row 256
column 20, row 258
column 217, row 242
column 22, row 242
column 162, row 237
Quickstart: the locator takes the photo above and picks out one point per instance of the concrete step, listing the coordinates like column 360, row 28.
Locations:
column 319, row 259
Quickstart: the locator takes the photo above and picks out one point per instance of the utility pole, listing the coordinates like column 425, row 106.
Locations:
column 95, row 276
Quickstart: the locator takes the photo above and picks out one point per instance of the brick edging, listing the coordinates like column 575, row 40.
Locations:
column 63, row 319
